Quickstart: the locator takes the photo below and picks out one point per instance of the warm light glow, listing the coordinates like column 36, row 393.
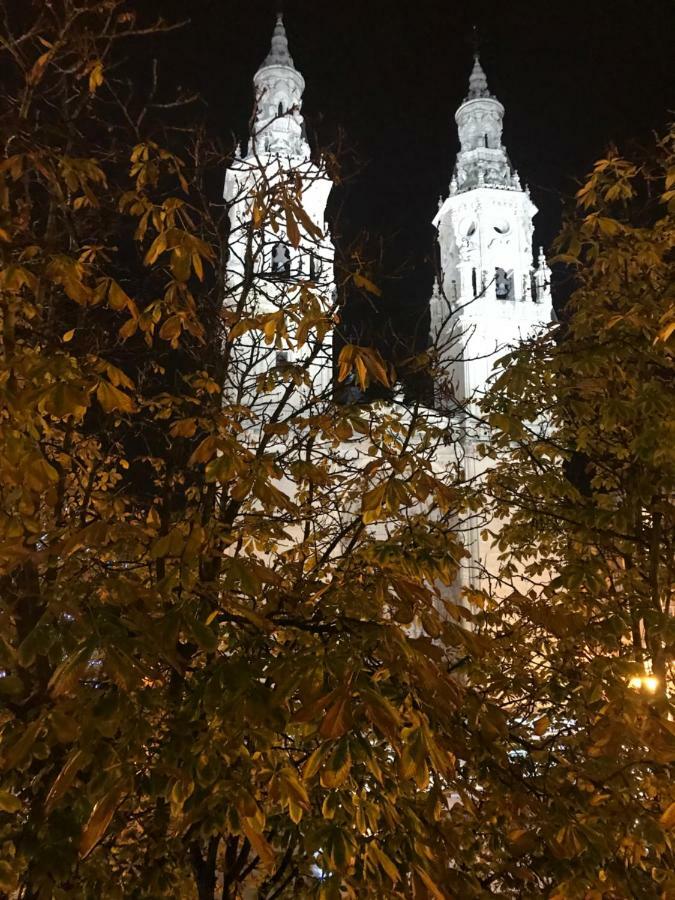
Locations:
column 648, row 683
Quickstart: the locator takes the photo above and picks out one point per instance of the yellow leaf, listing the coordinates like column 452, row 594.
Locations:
column 668, row 817
column 384, row 862
column 361, row 372
column 183, row 428
column 95, row 76
column 68, row 336
column 19, row 750
column 65, row 778
column 117, row 297
column 330, row 806
column 365, row 283
column 373, row 498
column 206, row 449
column 666, row 332
column 429, row 884
column 99, row 819
column 117, row 376
column 68, row 670
column 337, row 769
column 157, row 247
column 67, row 400
column 259, row 843
column 313, row 763
column 112, row 398
column 128, row 329
column 181, row 263
column 293, row 787
column 9, row 802
column 258, row 216
column 40, row 475
column 541, row 725
column 171, row 329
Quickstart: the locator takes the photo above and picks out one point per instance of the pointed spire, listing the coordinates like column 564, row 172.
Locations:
column 279, row 54
column 478, row 86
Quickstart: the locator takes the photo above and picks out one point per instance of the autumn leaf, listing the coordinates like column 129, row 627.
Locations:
column 111, row 398
column 40, row 475
column 259, row 844
column 338, row 716
column 63, row 781
column 668, row 817
column 95, row 76
column 38, row 69
column 362, row 282
column 9, row 802
column 292, row 229
column 431, row 886
column 100, row 818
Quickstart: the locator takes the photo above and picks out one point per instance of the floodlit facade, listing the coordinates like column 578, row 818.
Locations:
column 489, row 293
column 277, row 182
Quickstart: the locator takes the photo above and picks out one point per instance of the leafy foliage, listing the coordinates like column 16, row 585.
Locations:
column 221, row 638
column 584, row 438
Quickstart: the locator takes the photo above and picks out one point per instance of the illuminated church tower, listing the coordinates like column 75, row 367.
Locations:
column 280, row 251
column 491, row 293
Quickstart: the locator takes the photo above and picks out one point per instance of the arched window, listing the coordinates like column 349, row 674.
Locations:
column 282, row 360
column 474, row 282
column 281, row 108
column 503, row 284
column 281, row 260
column 314, row 267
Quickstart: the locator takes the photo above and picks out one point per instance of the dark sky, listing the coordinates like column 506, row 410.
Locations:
column 572, row 75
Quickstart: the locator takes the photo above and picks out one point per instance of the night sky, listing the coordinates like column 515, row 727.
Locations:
column 572, row 75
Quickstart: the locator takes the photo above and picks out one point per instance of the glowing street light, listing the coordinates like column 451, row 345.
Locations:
column 648, row 683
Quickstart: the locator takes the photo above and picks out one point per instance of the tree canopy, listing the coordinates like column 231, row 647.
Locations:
column 209, row 680
column 584, row 443
column 232, row 659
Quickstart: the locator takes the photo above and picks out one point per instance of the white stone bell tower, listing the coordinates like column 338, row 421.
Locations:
column 280, row 250
column 491, row 293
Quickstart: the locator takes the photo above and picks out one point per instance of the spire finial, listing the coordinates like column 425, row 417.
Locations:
column 279, row 54
column 478, row 86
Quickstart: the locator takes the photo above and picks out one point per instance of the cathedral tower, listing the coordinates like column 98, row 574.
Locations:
column 280, row 251
column 491, row 293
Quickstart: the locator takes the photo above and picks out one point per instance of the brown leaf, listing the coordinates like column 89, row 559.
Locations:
column 292, row 229
column 338, row 717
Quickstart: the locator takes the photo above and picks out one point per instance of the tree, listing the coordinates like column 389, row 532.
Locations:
column 582, row 664
column 225, row 646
